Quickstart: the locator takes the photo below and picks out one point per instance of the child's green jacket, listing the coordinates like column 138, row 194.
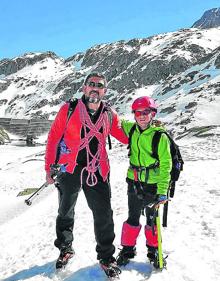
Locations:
column 141, row 156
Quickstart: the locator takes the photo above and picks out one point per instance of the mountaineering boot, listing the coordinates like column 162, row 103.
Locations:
column 126, row 253
column 153, row 257
column 151, row 253
column 66, row 253
column 110, row 267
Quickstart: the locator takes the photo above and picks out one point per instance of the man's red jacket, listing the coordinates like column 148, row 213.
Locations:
column 71, row 132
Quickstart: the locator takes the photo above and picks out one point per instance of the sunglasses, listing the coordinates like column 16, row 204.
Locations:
column 94, row 84
column 145, row 112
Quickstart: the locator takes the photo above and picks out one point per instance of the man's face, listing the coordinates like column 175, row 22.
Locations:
column 95, row 89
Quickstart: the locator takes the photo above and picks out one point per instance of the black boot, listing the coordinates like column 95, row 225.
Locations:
column 153, row 257
column 66, row 253
column 126, row 253
column 110, row 267
column 151, row 253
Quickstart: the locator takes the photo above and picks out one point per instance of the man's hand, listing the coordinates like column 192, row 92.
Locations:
column 55, row 171
column 49, row 177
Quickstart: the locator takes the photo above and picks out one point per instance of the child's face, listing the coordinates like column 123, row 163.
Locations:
column 143, row 117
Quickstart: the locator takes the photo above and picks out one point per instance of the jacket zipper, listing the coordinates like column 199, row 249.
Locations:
column 139, row 151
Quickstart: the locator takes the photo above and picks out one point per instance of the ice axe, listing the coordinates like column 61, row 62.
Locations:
column 56, row 170
column 37, row 192
column 161, row 263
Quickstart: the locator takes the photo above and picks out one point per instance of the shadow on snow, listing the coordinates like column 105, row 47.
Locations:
column 89, row 273
column 45, row 270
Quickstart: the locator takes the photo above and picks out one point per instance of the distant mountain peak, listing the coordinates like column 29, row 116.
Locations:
column 210, row 18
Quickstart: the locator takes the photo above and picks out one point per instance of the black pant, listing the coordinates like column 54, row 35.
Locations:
column 139, row 196
column 98, row 199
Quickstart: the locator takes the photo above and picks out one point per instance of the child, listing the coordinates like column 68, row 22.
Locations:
column 147, row 179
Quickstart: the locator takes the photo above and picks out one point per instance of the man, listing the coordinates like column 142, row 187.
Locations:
column 148, row 179
column 81, row 142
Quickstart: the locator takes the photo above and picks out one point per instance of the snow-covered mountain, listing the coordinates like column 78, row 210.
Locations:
column 181, row 70
column 210, row 18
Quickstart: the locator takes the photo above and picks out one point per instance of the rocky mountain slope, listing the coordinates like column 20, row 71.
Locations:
column 181, row 70
column 210, row 18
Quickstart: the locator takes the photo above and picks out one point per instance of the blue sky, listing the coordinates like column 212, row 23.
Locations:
column 68, row 26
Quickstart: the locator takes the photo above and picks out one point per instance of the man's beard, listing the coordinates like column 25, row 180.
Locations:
column 95, row 99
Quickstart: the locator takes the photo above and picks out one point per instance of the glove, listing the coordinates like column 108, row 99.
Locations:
column 54, row 172
column 49, row 178
column 161, row 198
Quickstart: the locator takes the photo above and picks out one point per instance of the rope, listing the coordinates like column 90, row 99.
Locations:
column 94, row 131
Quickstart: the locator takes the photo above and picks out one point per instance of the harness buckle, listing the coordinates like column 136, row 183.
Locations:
column 137, row 170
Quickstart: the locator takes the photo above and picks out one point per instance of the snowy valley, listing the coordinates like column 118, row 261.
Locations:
column 191, row 240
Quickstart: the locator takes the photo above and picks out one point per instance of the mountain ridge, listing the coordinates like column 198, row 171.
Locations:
column 164, row 65
column 210, row 19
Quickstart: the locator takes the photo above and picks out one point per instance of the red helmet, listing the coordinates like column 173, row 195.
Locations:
column 144, row 102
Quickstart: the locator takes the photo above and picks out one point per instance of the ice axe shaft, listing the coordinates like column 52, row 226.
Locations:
column 57, row 170
column 159, row 238
column 156, row 216
column 29, row 200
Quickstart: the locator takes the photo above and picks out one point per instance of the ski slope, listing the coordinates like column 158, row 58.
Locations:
column 191, row 241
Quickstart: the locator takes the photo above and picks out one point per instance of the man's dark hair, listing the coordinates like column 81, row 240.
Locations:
column 95, row 74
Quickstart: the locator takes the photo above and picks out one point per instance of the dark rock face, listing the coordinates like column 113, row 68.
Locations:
column 126, row 68
column 4, row 85
column 217, row 62
column 190, row 105
column 8, row 66
column 210, row 18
